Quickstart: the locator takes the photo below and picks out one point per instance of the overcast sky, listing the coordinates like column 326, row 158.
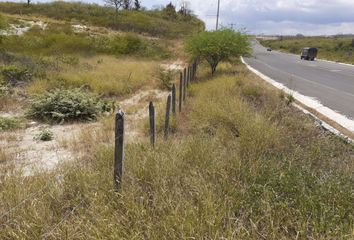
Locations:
column 309, row 17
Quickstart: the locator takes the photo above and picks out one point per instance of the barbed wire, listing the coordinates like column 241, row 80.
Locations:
column 31, row 196
column 66, row 216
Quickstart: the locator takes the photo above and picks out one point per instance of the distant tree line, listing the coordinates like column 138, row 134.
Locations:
column 124, row 4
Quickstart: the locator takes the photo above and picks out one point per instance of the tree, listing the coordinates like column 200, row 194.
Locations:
column 117, row 4
column 28, row 2
column 184, row 10
column 127, row 4
column 137, row 5
column 170, row 11
column 352, row 44
column 218, row 46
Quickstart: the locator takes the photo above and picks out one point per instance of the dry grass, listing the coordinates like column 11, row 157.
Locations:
column 239, row 167
column 104, row 75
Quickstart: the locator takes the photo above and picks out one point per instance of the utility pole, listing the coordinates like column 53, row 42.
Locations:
column 217, row 16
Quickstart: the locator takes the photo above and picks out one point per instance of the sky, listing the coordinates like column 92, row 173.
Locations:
column 281, row 17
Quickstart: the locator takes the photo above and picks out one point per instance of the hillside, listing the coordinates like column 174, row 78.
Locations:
column 339, row 49
column 152, row 22
column 240, row 162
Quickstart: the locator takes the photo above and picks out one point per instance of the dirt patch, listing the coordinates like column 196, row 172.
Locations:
column 23, row 27
column 136, row 109
column 29, row 154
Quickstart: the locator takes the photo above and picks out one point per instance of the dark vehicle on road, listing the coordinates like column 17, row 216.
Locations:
column 309, row 53
column 269, row 49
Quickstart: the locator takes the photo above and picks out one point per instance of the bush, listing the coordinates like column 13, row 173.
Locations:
column 66, row 105
column 8, row 123
column 14, row 74
column 44, row 135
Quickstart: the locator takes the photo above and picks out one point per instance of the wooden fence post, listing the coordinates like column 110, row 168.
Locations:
column 188, row 75
column 152, row 124
column 174, row 99
column 119, row 149
column 180, row 91
column 167, row 119
column 184, row 83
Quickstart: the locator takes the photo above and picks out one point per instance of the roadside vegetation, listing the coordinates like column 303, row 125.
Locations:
column 159, row 22
column 242, row 165
column 335, row 48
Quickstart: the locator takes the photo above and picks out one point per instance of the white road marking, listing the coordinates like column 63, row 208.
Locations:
column 342, row 120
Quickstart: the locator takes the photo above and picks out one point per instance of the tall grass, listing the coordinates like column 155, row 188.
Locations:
column 335, row 48
column 103, row 75
column 237, row 168
column 150, row 22
column 3, row 22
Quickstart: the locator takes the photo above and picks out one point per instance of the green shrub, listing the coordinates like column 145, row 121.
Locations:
column 8, row 123
column 44, row 135
column 14, row 74
column 66, row 105
column 165, row 78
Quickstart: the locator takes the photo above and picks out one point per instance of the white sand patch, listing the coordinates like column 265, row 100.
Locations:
column 23, row 27
column 32, row 155
column 176, row 66
column 133, row 119
column 79, row 28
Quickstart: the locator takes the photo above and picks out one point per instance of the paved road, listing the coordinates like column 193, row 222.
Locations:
column 330, row 83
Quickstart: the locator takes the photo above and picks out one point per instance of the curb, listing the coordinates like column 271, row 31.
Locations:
column 312, row 103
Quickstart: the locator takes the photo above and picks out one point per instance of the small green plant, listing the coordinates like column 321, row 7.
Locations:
column 14, row 74
column 165, row 78
column 8, row 123
column 4, row 89
column 44, row 135
column 66, row 105
column 289, row 99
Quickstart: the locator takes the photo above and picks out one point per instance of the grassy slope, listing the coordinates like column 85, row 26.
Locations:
column 151, row 22
column 334, row 49
column 241, row 165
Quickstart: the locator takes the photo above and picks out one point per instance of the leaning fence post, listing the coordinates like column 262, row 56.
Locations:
column 152, row 124
column 167, row 119
column 184, row 83
column 180, row 91
column 119, row 149
column 174, row 99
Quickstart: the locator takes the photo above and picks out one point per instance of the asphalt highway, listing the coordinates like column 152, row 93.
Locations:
column 330, row 83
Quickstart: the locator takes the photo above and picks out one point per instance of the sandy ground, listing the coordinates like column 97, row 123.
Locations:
column 20, row 29
column 30, row 154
